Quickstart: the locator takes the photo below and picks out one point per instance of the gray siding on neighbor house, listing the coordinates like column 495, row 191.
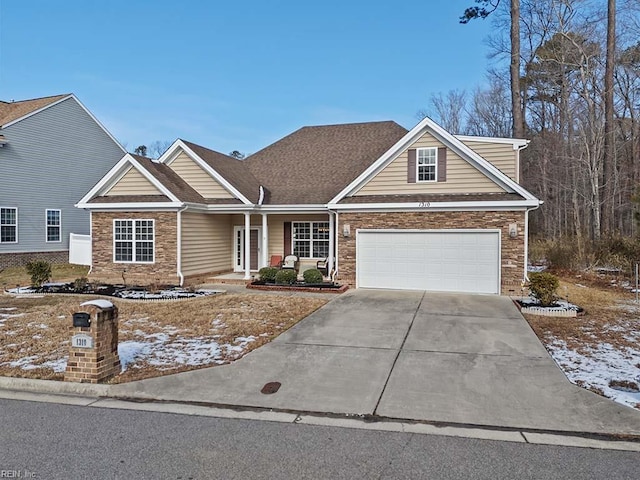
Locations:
column 52, row 159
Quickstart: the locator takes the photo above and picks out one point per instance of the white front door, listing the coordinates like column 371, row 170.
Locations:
column 238, row 248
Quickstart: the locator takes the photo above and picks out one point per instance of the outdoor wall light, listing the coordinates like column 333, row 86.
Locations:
column 513, row 230
column 346, row 230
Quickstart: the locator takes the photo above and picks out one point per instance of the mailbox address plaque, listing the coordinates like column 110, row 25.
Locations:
column 82, row 340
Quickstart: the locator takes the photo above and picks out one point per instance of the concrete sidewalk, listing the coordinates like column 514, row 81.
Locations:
column 447, row 358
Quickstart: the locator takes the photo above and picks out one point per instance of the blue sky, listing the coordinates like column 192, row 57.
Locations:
column 238, row 75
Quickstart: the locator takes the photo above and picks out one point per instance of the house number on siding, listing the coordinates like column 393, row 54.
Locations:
column 82, row 341
column 424, row 204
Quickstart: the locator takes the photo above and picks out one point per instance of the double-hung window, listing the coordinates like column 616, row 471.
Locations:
column 310, row 239
column 54, row 225
column 8, row 225
column 133, row 241
column 427, row 164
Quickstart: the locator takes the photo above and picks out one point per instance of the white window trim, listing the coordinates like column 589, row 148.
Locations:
column 133, row 240
column 310, row 240
column 418, row 165
column 11, row 225
column 46, row 225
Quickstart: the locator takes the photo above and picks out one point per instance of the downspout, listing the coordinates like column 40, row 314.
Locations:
column 526, row 240
column 91, row 237
column 179, row 246
column 261, row 198
column 520, row 148
column 335, row 245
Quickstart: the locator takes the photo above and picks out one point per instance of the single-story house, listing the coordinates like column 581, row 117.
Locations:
column 390, row 208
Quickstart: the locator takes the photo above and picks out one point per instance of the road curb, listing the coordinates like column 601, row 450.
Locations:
column 96, row 392
column 54, row 387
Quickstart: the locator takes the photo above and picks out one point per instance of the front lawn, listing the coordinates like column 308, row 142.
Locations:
column 156, row 338
column 10, row 277
column 599, row 350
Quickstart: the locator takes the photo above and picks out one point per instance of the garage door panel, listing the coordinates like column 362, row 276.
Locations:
column 456, row 261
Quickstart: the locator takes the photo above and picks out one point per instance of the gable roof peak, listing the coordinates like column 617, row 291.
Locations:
column 16, row 109
column 197, row 146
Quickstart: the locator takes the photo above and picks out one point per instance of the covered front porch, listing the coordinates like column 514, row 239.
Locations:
column 219, row 243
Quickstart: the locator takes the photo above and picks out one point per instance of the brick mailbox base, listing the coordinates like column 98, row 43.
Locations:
column 93, row 354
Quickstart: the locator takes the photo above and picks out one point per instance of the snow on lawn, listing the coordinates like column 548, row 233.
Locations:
column 162, row 351
column 166, row 353
column 613, row 371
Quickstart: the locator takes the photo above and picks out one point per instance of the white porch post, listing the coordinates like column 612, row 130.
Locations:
column 247, row 246
column 265, row 241
column 332, row 241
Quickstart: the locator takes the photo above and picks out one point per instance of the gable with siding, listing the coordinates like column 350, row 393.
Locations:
column 133, row 183
column 460, row 175
column 197, row 178
column 51, row 159
column 503, row 155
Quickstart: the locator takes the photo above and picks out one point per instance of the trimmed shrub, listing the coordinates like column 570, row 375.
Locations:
column 543, row 286
column 286, row 277
column 268, row 274
column 40, row 272
column 312, row 276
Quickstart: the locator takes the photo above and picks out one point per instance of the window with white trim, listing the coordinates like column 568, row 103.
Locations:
column 427, row 164
column 8, row 225
column 310, row 239
column 133, row 241
column 54, row 225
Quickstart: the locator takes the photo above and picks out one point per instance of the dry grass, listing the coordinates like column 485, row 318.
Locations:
column 603, row 320
column 12, row 276
column 41, row 328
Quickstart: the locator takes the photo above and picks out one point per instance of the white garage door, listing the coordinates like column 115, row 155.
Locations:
column 438, row 260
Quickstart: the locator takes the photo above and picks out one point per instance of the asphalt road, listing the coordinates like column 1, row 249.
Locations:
column 52, row 441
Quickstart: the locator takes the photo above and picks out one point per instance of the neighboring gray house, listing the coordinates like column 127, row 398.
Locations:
column 52, row 151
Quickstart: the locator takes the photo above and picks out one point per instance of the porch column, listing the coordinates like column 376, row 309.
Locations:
column 332, row 241
column 265, row 241
column 247, row 246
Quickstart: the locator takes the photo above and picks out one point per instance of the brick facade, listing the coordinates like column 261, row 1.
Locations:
column 162, row 272
column 21, row 259
column 512, row 255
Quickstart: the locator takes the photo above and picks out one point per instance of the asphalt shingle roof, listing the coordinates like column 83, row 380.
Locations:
column 313, row 164
column 233, row 170
column 10, row 111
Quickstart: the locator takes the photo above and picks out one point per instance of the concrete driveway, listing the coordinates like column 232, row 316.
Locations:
column 407, row 355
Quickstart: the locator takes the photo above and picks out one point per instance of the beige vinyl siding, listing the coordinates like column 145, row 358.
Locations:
column 133, row 183
column 206, row 243
column 461, row 176
column 197, row 178
column 502, row 155
column 276, row 228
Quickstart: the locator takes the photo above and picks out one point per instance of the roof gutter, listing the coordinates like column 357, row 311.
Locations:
column 436, row 206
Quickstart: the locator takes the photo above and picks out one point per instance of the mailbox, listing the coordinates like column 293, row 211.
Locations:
column 81, row 319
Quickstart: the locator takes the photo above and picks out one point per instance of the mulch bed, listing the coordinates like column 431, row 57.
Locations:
column 300, row 287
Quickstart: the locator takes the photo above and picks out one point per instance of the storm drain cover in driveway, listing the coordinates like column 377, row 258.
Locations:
column 271, row 387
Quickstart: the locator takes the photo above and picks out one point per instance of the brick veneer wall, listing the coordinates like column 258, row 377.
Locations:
column 21, row 259
column 163, row 271
column 512, row 261
column 101, row 362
